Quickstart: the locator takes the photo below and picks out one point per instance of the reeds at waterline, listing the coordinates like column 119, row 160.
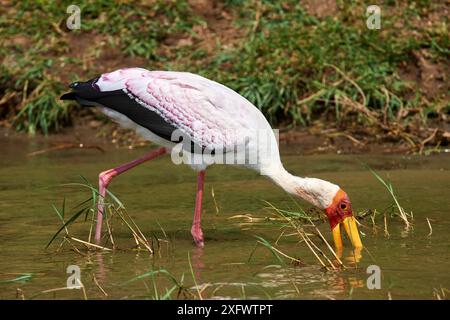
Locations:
column 298, row 224
column 114, row 209
column 404, row 216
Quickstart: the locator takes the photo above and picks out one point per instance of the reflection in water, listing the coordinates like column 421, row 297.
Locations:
column 287, row 282
column 197, row 262
column 197, row 267
column 100, row 273
column 406, row 231
column 354, row 256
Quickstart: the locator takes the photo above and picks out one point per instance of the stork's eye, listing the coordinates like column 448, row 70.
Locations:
column 343, row 206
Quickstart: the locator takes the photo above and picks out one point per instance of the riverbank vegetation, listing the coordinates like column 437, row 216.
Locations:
column 305, row 64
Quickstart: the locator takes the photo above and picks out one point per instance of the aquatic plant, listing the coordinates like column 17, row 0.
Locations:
column 114, row 208
column 178, row 285
column 406, row 217
column 300, row 225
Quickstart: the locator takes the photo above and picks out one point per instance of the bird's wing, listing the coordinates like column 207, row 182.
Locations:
column 210, row 114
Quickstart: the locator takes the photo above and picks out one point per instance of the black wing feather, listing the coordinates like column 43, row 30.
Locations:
column 88, row 94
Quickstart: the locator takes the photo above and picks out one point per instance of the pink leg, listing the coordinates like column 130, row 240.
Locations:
column 105, row 178
column 196, row 229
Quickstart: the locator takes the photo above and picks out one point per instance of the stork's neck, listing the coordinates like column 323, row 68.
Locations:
column 316, row 191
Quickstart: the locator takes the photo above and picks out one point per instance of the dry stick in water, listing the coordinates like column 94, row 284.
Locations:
column 431, row 229
column 88, row 244
column 295, row 287
column 306, row 239
column 136, row 241
column 94, row 278
column 220, row 286
column 329, row 247
column 65, row 146
column 327, row 244
column 82, row 288
column 109, row 228
column 139, row 237
column 321, row 252
column 279, row 237
column 214, row 200
column 346, row 135
column 372, row 217
column 386, row 233
column 312, row 250
column 68, row 237
column 285, row 255
column 74, row 248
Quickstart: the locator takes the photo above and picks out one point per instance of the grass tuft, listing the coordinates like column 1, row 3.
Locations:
column 114, row 209
column 295, row 66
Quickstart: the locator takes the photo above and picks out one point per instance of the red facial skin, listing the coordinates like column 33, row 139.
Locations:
column 339, row 209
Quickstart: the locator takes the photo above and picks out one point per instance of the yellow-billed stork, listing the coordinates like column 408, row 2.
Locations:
column 214, row 119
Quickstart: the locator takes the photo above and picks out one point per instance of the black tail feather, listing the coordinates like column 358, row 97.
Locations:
column 69, row 96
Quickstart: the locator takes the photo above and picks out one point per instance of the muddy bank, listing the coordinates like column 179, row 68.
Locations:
column 97, row 136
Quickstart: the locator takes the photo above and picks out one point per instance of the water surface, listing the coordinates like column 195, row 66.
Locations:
column 160, row 197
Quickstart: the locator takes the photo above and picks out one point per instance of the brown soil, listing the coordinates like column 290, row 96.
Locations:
column 216, row 33
column 98, row 56
column 431, row 78
column 321, row 8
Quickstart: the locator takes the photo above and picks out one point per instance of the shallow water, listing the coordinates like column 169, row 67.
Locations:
column 160, row 198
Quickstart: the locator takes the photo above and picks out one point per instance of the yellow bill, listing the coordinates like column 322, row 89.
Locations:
column 351, row 229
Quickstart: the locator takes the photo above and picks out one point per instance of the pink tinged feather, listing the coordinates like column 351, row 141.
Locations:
column 196, row 105
column 116, row 80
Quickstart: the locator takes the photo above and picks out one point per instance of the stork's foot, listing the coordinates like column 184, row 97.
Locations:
column 197, row 234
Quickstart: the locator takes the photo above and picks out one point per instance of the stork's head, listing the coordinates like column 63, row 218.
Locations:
column 339, row 213
column 324, row 195
column 331, row 198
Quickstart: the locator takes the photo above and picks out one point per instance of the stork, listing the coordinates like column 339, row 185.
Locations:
column 169, row 108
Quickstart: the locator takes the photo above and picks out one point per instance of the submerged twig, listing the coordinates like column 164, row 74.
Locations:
column 262, row 241
column 94, row 278
column 386, row 233
column 65, row 146
column 313, row 251
column 431, row 229
column 216, row 206
column 88, row 243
